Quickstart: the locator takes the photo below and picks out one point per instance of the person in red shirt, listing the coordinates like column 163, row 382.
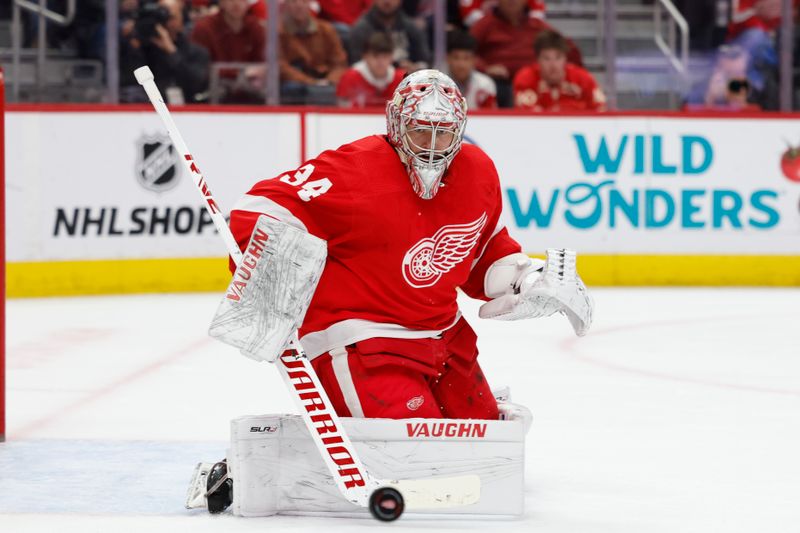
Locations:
column 371, row 81
column 553, row 84
column 505, row 44
column 231, row 35
column 408, row 218
column 472, row 11
column 343, row 11
column 763, row 15
column 258, row 9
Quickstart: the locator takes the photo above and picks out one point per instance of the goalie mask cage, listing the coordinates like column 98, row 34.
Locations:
column 2, row 261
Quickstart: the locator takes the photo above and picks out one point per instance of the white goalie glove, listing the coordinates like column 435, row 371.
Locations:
column 522, row 287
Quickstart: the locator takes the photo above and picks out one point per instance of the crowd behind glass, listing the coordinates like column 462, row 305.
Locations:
column 353, row 53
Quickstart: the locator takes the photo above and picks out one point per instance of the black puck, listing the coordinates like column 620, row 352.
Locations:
column 386, row 504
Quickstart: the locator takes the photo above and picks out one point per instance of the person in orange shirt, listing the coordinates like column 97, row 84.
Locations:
column 553, row 84
column 312, row 58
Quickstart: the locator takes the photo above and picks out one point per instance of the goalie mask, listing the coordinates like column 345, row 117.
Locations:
column 425, row 122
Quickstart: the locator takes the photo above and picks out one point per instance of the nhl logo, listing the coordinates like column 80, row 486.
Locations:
column 157, row 165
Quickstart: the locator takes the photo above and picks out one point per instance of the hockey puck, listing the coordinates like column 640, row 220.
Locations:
column 386, row 504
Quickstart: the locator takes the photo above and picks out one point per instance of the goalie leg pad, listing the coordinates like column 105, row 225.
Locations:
column 277, row 469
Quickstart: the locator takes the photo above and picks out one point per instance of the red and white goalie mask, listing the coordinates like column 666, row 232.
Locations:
column 425, row 122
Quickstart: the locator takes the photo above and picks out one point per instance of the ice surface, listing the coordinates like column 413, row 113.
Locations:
column 679, row 411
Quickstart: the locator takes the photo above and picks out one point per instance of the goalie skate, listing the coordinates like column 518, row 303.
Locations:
column 210, row 487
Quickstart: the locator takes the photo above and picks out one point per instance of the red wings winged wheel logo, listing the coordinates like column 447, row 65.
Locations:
column 432, row 257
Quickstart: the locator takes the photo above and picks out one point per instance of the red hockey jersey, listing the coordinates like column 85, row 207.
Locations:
column 359, row 88
column 578, row 92
column 394, row 260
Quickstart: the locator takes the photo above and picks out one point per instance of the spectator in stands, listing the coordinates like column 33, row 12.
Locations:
column 552, row 83
column 753, row 26
column 422, row 12
column 343, row 11
column 477, row 88
column 180, row 66
column 371, row 81
column 761, row 15
column 342, row 14
column 505, row 44
column 728, row 87
column 231, row 35
column 474, row 10
column 411, row 51
column 201, row 8
column 312, row 57
column 258, row 9
column 198, row 9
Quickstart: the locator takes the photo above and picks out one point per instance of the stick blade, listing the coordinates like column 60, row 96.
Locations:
column 438, row 493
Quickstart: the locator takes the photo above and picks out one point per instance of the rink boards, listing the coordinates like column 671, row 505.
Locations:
column 97, row 201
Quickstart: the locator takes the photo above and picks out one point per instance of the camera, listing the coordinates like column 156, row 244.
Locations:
column 736, row 86
column 150, row 14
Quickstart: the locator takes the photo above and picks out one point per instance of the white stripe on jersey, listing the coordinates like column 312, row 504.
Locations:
column 261, row 204
column 341, row 370
column 353, row 330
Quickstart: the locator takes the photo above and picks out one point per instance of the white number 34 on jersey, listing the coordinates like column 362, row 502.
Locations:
column 308, row 189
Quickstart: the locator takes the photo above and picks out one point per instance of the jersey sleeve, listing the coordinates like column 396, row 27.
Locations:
column 486, row 91
column 487, row 101
column 312, row 198
column 494, row 244
column 595, row 98
column 524, row 88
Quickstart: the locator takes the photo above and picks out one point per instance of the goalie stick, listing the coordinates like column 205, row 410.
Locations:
column 386, row 499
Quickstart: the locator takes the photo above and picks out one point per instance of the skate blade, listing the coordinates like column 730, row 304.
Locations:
column 196, row 496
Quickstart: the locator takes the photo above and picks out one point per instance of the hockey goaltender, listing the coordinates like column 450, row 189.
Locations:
column 383, row 330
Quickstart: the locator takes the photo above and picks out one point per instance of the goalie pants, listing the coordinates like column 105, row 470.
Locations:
column 409, row 378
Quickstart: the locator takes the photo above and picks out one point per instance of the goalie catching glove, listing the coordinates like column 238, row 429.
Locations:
column 521, row 287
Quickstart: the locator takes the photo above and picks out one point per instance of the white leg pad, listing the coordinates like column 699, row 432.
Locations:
column 277, row 469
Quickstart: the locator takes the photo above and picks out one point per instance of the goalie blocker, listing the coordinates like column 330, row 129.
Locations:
column 270, row 291
column 276, row 469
